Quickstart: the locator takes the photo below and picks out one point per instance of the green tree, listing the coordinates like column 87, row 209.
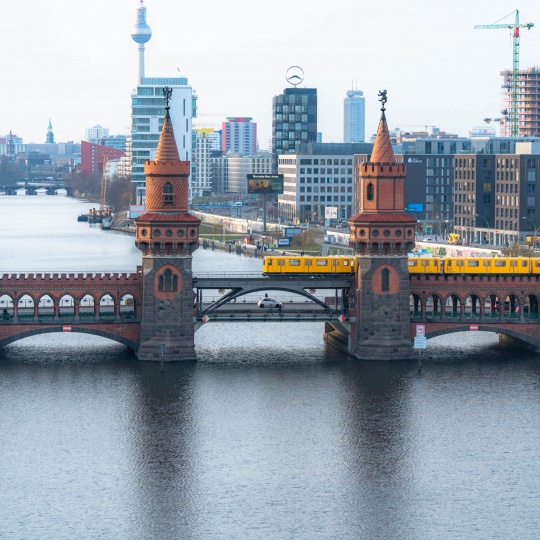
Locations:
column 9, row 172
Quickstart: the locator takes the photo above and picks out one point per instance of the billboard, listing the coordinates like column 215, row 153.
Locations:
column 265, row 183
column 415, row 207
column 330, row 212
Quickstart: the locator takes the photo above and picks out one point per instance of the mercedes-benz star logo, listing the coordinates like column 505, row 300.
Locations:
column 295, row 75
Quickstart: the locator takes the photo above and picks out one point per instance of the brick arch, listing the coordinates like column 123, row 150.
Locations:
column 530, row 342
column 131, row 344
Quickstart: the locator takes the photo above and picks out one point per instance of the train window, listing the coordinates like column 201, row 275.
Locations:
column 513, row 263
column 460, row 263
column 346, row 262
column 524, row 264
column 473, row 263
column 537, row 263
column 269, row 261
column 294, row 262
column 500, row 263
column 322, row 262
column 412, row 263
column 436, row 262
column 487, row 263
column 280, row 262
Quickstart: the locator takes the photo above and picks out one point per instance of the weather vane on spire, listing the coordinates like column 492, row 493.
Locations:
column 167, row 93
column 383, row 100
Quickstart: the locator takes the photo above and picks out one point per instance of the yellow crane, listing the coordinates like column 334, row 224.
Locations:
column 515, row 64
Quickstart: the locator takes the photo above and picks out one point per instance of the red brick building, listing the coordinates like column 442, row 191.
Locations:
column 93, row 155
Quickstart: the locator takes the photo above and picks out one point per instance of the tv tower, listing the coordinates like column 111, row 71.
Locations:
column 141, row 34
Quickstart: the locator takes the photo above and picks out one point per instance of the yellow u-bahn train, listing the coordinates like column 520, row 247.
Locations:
column 278, row 265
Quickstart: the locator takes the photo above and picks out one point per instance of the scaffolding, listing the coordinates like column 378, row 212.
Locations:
column 527, row 101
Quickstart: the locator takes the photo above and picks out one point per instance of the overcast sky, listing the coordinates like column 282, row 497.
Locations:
column 75, row 61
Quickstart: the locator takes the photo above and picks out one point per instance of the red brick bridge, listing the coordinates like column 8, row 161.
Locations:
column 504, row 304
column 108, row 305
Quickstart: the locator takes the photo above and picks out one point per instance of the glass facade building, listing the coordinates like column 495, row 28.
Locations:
column 294, row 119
column 354, row 117
column 147, row 114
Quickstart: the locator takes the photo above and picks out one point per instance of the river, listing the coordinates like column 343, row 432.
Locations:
column 272, row 434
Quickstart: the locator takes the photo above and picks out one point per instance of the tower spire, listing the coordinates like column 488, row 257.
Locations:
column 141, row 34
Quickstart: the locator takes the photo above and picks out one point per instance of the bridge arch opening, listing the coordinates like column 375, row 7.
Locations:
column 415, row 304
column 6, row 306
column 58, row 329
column 26, row 307
column 66, row 306
column 530, row 309
column 473, row 306
column 128, row 307
column 45, row 307
column 106, row 306
column 87, row 306
column 453, row 306
column 434, row 305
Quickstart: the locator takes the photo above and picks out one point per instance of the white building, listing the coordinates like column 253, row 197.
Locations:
column 202, row 179
column 95, row 133
column 147, row 114
column 239, row 136
column 240, row 166
column 322, row 175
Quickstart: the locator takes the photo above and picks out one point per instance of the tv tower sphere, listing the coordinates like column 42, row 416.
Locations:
column 141, row 33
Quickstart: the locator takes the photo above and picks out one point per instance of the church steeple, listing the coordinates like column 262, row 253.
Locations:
column 50, row 135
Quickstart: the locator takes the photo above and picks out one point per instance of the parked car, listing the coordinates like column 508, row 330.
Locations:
column 268, row 302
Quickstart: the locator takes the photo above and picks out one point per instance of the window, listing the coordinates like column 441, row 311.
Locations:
column 168, row 281
column 385, row 280
column 168, row 194
column 370, row 192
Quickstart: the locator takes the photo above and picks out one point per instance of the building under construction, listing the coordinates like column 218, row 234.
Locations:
column 527, row 100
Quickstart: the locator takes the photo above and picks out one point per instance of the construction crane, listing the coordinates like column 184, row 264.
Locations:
column 103, row 199
column 515, row 64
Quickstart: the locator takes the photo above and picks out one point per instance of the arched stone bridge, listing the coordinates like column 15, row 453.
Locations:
column 504, row 304
column 108, row 304
column 98, row 303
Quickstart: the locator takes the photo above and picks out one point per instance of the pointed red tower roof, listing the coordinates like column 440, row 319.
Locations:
column 382, row 149
column 382, row 226
column 167, row 149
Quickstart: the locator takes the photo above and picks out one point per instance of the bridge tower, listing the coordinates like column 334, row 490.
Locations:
column 167, row 234
column 382, row 234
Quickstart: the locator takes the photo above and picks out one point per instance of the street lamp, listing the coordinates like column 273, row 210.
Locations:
column 505, row 229
column 535, row 229
column 487, row 222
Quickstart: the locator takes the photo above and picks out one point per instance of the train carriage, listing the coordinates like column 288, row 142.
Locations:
column 424, row 265
column 274, row 265
column 484, row 265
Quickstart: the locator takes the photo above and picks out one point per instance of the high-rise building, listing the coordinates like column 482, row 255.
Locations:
column 528, row 102
column 95, row 134
column 201, row 180
column 148, row 111
column 294, row 119
column 147, row 114
column 354, row 117
column 239, row 135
